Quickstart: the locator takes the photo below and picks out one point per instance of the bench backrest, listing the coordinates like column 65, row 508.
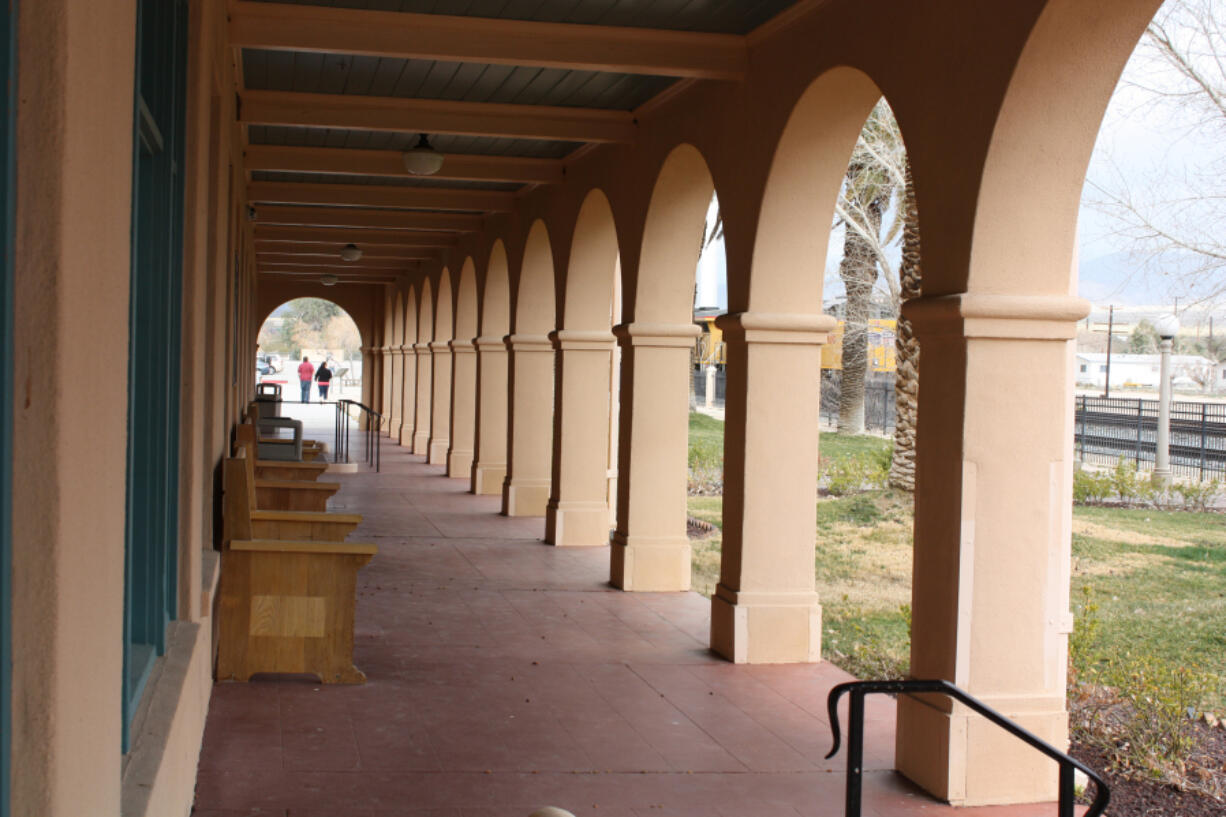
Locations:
column 238, row 486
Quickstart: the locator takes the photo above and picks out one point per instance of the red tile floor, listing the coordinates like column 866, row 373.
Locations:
column 505, row 674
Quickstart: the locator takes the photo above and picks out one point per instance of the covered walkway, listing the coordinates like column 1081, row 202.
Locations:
column 505, row 674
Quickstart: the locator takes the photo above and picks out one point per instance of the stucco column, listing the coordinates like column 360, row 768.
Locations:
column 650, row 548
column 463, row 408
column 408, row 395
column 385, row 381
column 525, row 491
column 993, row 508
column 368, row 383
column 765, row 608
column 490, row 457
column 578, row 510
column 425, row 378
column 440, row 417
column 394, row 372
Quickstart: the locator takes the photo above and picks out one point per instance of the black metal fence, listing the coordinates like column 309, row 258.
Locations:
column 878, row 401
column 1106, row 429
column 698, row 393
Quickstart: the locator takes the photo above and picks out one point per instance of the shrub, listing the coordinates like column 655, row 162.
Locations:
column 1199, row 496
column 1090, row 488
column 859, row 472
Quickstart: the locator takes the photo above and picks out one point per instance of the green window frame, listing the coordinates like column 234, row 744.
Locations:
column 155, row 303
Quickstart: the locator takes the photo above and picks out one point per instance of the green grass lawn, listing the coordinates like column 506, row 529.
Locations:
column 1158, row 578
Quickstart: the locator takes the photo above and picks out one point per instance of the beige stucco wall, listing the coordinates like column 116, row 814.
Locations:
column 74, row 143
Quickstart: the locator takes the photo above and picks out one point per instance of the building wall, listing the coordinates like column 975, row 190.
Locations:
column 75, row 145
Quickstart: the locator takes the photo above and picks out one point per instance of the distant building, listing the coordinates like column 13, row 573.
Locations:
column 1143, row 371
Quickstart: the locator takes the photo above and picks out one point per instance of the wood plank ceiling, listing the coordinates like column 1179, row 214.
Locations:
column 333, row 91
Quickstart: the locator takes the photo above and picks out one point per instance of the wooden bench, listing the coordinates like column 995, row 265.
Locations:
column 286, row 605
column 244, row 435
column 267, row 425
column 247, row 518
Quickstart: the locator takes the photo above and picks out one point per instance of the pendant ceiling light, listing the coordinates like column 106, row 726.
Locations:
column 422, row 159
column 350, row 252
column 328, row 280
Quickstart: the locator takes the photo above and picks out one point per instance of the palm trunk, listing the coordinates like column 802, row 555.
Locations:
column 907, row 350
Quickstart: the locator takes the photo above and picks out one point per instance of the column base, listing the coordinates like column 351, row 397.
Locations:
column 406, row 437
column 766, row 628
column 488, row 478
column 524, row 498
column 438, row 452
column 576, row 524
column 421, row 443
column 639, row 565
column 459, row 464
column 961, row 758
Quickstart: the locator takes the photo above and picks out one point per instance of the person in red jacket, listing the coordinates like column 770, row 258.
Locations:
column 306, row 373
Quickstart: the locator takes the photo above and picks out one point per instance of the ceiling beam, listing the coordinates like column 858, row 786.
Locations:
column 484, row 40
column 378, row 195
column 456, row 166
column 313, row 277
column 401, row 115
column 307, row 264
column 369, row 260
column 339, row 237
column 352, row 217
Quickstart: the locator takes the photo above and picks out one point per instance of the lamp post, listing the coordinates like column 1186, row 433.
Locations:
column 1167, row 327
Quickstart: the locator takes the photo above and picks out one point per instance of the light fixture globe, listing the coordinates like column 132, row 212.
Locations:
column 422, row 159
column 1167, row 326
column 351, row 252
column 328, row 280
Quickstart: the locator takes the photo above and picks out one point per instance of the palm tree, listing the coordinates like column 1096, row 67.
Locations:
column 907, row 351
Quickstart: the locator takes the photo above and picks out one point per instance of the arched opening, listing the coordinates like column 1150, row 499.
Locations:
column 651, row 549
column 319, row 330
column 585, row 383
column 490, row 444
column 530, row 381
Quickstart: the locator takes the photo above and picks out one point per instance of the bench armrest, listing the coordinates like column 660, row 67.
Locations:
column 285, row 546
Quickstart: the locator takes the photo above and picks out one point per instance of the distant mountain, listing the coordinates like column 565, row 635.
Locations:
column 1119, row 278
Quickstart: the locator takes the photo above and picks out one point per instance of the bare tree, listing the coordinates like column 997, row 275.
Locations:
column 1174, row 222
column 875, row 178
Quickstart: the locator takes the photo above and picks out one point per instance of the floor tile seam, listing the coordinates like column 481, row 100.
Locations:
column 789, row 704
column 685, row 715
column 614, row 709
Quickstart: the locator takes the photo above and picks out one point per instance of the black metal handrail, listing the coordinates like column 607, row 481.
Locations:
column 855, row 739
column 374, row 425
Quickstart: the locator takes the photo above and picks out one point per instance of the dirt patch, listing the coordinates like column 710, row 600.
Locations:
column 1119, row 565
column 1096, row 531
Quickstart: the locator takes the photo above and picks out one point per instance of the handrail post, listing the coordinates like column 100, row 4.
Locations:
column 1068, row 790
column 855, row 752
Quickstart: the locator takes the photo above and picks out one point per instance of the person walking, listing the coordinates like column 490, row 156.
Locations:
column 305, row 372
column 323, row 375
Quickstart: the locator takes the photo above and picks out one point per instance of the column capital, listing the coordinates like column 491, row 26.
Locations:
column 462, row 347
column 996, row 316
column 657, row 334
column 367, row 350
column 528, row 343
column 395, row 350
column 438, row 346
column 405, row 348
column 490, row 343
column 776, row 327
column 569, row 339
column 421, row 348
